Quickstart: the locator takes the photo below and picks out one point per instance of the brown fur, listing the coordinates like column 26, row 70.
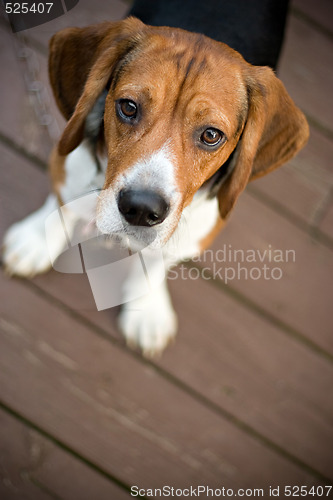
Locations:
column 183, row 82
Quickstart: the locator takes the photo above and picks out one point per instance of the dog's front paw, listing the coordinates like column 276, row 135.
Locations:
column 25, row 251
column 149, row 323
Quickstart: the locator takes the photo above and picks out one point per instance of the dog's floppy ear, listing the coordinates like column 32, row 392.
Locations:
column 274, row 131
column 81, row 62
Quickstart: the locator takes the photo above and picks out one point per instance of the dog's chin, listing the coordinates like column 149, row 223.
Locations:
column 137, row 238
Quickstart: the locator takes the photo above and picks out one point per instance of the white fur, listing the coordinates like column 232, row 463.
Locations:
column 197, row 220
column 81, row 173
column 149, row 322
column 157, row 172
column 26, row 251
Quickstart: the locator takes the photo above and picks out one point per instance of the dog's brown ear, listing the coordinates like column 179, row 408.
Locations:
column 81, row 62
column 274, row 131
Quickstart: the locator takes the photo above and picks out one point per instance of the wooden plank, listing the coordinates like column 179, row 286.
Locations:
column 320, row 11
column 302, row 185
column 34, row 467
column 301, row 297
column 23, row 188
column 237, row 361
column 249, row 368
column 118, row 412
column 232, row 357
column 85, row 13
column 306, row 68
column 15, row 461
column 326, row 224
column 20, row 123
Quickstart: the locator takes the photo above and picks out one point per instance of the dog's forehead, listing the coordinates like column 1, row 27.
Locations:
column 177, row 64
column 178, row 54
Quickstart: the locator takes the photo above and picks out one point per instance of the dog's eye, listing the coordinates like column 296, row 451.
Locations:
column 211, row 137
column 127, row 109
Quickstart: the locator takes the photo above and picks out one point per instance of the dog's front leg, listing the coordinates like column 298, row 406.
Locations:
column 149, row 321
column 26, row 252
column 25, row 249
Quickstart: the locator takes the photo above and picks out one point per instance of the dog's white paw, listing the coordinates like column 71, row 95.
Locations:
column 25, row 250
column 149, row 323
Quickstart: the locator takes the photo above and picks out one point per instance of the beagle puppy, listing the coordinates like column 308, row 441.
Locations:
column 170, row 125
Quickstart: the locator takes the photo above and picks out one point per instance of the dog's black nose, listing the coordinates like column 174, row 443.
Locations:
column 142, row 207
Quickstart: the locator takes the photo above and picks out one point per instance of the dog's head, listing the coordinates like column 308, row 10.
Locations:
column 176, row 109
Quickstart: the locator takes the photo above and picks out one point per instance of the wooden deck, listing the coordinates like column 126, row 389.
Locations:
column 243, row 399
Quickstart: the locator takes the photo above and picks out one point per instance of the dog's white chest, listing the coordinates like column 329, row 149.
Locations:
column 196, row 222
